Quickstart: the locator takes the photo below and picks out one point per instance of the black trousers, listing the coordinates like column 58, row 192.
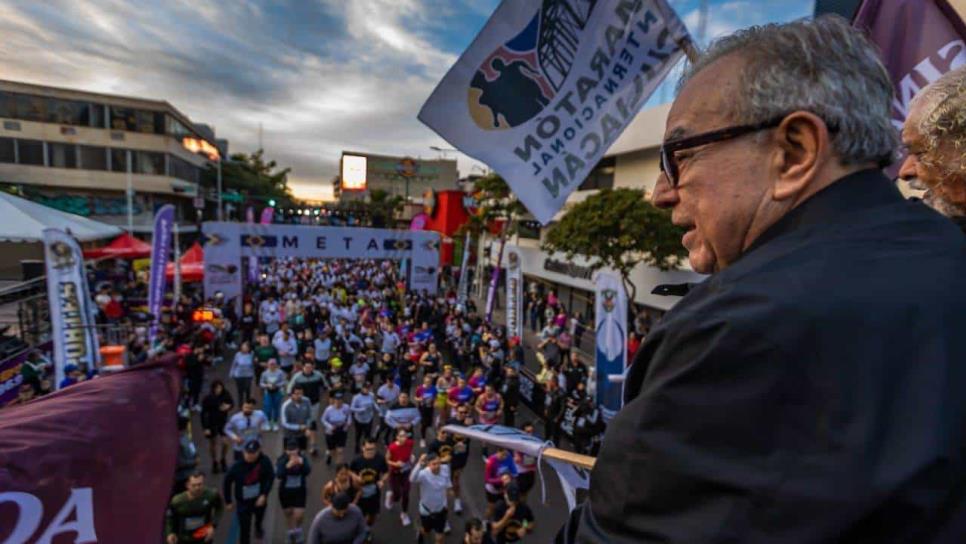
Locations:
column 245, row 515
column 510, row 416
column 363, row 430
column 195, row 382
column 551, row 431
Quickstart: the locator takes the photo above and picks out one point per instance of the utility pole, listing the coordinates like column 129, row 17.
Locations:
column 130, row 194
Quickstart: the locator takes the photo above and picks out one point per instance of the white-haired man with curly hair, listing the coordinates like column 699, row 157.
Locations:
column 935, row 139
column 813, row 388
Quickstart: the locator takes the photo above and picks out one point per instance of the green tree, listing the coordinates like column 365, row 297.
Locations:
column 251, row 175
column 382, row 208
column 618, row 228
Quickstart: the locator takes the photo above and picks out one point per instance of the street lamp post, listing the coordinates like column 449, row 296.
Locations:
column 219, row 189
column 442, row 150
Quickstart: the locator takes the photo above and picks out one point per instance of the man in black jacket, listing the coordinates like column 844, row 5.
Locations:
column 248, row 483
column 810, row 390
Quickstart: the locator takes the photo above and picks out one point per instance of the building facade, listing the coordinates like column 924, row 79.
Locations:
column 406, row 177
column 80, row 151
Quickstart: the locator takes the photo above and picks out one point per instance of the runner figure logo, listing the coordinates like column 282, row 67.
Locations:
column 518, row 80
column 610, row 300
column 63, row 255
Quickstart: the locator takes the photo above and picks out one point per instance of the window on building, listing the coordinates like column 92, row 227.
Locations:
column 119, row 160
column 96, row 116
column 124, row 119
column 92, row 158
column 8, row 105
column 31, row 152
column 529, row 229
column 67, row 112
column 30, row 108
column 182, row 169
column 601, row 177
column 7, row 153
column 176, row 128
column 62, row 155
column 150, row 163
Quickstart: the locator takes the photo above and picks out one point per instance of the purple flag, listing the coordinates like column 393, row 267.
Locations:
column 267, row 214
column 160, row 250
column 920, row 41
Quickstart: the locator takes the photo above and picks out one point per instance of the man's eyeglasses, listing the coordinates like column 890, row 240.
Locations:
column 669, row 165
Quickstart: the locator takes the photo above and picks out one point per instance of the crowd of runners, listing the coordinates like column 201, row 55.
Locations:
column 322, row 347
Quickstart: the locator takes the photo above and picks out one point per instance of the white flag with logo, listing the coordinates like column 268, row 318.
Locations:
column 71, row 309
column 548, row 85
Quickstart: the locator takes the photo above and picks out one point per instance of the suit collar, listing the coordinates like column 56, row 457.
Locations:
column 855, row 192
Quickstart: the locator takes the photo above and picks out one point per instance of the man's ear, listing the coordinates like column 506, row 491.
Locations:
column 803, row 147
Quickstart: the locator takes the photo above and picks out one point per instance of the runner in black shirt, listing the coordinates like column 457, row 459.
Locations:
column 460, row 453
column 292, row 469
column 372, row 470
column 512, row 519
column 248, row 483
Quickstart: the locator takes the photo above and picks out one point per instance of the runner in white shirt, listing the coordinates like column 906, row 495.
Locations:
column 431, row 476
column 245, row 426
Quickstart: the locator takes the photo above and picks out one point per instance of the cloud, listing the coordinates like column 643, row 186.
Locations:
column 318, row 77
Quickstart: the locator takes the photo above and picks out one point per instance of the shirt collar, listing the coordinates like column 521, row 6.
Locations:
column 857, row 191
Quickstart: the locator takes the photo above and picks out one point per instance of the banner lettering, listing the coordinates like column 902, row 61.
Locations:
column 548, row 86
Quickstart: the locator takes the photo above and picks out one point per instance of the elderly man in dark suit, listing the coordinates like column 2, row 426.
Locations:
column 813, row 388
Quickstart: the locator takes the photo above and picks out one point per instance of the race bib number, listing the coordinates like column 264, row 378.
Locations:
column 293, row 482
column 193, row 522
column 370, row 490
column 251, row 491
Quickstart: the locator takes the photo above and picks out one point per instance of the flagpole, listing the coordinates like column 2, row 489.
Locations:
column 689, row 49
column 557, row 454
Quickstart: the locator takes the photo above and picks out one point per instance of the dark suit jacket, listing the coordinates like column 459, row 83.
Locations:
column 814, row 391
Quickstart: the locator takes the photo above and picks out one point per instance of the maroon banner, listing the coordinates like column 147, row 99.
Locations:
column 920, row 41
column 93, row 462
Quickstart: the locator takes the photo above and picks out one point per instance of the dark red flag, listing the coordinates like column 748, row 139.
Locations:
column 93, row 462
column 920, row 41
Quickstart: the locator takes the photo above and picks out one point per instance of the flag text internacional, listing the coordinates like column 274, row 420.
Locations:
column 547, row 87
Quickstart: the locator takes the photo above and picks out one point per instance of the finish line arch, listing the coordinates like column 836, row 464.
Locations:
column 226, row 243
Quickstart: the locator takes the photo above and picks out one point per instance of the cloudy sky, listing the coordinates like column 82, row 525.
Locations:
column 319, row 76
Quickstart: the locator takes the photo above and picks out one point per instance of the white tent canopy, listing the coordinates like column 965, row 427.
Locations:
column 24, row 221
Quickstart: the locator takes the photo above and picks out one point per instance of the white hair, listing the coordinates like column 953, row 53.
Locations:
column 943, row 122
column 821, row 65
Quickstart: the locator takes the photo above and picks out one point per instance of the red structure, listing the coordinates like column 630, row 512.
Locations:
column 446, row 217
column 192, row 265
column 124, row 246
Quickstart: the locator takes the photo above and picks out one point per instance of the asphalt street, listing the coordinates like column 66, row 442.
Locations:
column 388, row 529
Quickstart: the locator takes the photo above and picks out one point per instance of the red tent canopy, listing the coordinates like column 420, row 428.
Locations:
column 192, row 265
column 124, row 246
